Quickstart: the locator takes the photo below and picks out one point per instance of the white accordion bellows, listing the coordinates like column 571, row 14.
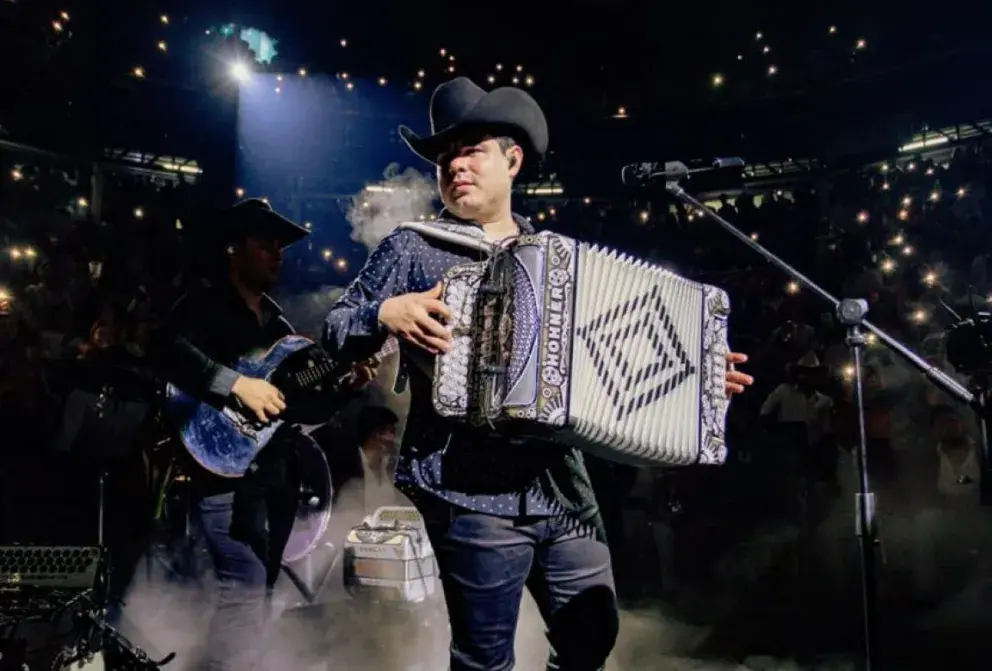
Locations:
column 593, row 348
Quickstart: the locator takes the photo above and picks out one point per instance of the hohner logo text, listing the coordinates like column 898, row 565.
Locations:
column 553, row 354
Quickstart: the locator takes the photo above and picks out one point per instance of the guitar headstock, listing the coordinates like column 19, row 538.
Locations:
column 389, row 348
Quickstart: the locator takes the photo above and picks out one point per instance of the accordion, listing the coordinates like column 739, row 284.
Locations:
column 583, row 345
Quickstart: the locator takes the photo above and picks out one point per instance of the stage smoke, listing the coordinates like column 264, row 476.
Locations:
column 379, row 208
column 307, row 311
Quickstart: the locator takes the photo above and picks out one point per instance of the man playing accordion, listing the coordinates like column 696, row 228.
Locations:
column 500, row 514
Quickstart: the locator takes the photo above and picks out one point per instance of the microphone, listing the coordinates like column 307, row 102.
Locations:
column 642, row 174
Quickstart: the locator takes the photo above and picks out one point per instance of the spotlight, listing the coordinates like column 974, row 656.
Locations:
column 240, row 72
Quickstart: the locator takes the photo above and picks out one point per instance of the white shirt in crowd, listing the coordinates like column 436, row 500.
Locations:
column 791, row 405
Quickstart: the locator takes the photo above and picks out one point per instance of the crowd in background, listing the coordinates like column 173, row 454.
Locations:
column 82, row 287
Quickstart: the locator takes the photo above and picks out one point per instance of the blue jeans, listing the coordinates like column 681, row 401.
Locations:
column 486, row 561
column 238, row 621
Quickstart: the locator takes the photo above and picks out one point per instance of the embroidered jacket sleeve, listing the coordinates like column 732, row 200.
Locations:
column 351, row 328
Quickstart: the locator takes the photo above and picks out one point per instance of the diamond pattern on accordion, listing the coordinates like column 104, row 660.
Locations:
column 615, row 370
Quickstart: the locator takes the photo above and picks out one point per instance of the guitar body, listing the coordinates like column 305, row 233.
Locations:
column 220, row 438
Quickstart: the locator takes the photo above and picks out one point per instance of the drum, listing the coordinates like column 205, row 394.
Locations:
column 314, row 512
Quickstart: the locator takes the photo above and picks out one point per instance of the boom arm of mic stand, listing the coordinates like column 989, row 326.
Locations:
column 937, row 376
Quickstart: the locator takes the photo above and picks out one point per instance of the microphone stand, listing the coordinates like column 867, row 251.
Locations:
column 851, row 313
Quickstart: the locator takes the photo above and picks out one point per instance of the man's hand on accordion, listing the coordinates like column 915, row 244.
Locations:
column 736, row 380
column 418, row 318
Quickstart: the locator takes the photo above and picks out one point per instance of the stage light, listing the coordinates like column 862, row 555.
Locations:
column 16, row 175
column 499, row 67
column 241, row 72
column 139, row 213
column 792, row 288
column 832, row 30
column 138, row 72
column 772, row 69
column 302, row 72
column 164, row 19
column 906, row 201
column 861, row 44
column 344, row 43
column 529, row 80
column 962, row 192
column 239, row 192
column 930, row 278
column 491, row 79
column 863, row 217
column 717, row 79
column 162, row 46
column 888, row 266
column 326, row 254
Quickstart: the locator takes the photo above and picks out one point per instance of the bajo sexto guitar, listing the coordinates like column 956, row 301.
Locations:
column 224, row 439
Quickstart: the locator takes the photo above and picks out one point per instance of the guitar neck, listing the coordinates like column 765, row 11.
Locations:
column 318, row 373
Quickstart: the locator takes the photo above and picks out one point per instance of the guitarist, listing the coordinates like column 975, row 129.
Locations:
column 245, row 521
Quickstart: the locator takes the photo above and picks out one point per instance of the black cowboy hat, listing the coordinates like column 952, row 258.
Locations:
column 254, row 217
column 461, row 103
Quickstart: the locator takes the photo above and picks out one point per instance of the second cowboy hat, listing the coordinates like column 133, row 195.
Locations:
column 461, row 103
column 255, row 217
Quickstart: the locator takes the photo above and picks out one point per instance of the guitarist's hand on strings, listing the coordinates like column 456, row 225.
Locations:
column 259, row 396
column 418, row 318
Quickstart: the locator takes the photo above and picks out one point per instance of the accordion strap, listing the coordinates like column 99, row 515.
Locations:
column 456, row 234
